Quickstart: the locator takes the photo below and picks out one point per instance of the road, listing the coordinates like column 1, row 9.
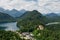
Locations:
column 52, row 23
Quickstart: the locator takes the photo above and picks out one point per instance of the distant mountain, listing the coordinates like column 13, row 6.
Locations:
column 2, row 10
column 13, row 12
column 58, row 14
column 53, row 17
column 5, row 18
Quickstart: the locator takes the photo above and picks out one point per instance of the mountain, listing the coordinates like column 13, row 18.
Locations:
column 30, row 19
column 58, row 14
column 53, row 17
column 31, row 14
column 2, row 10
column 13, row 12
column 5, row 17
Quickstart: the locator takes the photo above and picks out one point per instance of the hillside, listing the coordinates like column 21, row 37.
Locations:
column 9, row 35
column 30, row 20
column 32, row 15
column 5, row 18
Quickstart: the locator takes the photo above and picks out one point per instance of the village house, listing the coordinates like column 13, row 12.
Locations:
column 40, row 27
column 27, row 36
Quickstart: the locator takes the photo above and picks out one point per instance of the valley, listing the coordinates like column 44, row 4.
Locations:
column 31, row 24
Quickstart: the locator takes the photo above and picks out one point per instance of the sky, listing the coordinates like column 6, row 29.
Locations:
column 43, row 6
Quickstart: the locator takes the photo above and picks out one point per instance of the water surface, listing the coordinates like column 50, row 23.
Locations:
column 10, row 26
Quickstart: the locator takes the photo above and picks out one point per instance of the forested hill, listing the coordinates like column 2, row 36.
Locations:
column 33, row 15
column 30, row 20
column 5, row 18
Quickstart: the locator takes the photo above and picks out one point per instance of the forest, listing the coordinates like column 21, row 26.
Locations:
column 32, row 22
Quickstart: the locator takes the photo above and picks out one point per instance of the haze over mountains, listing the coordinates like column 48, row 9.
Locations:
column 52, row 17
column 16, row 13
column 13, row 12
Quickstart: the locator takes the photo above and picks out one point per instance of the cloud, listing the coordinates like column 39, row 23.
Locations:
column 31, row 0
column 49, row 6
column 17, row 4
column 53, row 6
column 43, row 6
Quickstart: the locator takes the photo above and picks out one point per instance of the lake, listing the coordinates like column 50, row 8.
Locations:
column 10, row 26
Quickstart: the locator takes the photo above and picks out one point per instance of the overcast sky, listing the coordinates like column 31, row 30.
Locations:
column 43, row 6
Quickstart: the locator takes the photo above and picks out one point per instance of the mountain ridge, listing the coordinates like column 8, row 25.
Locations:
column 13, row 12
column 5, row 18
